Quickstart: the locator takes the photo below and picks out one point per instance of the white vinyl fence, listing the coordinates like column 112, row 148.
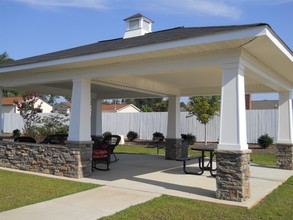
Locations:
column 145, row 124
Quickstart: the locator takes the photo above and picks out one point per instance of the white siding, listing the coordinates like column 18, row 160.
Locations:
column 128, row 109
column 8, row 109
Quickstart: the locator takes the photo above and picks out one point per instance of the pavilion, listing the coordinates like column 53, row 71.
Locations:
column 230, row 61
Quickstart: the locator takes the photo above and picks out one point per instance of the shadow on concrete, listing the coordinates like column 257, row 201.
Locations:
column 152, row 173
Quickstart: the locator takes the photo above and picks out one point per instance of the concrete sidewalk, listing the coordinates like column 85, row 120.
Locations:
column 136, row 179
column 88, row 205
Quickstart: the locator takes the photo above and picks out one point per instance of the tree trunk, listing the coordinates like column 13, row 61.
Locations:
column 205, row 135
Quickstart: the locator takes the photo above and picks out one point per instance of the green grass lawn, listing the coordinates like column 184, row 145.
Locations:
column 264, row 159
column 277, row 205
column 17, row 189
column 261, row 159
column 137, row 149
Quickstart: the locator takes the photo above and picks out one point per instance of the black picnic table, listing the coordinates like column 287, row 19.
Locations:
column 202, row 166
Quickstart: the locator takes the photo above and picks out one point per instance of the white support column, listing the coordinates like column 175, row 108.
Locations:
column 285, row 126
column 80, row 119
column 233, row 116
column 173, row 130
column 173, row 139
column 1, row 122
column 96, row 117
column 233, row 156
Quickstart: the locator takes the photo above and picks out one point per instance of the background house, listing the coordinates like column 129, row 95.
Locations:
column 120, row 108
column 65, row 107
column 265, row 104
column 9, row 106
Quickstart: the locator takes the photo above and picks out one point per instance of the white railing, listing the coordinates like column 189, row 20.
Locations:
column 145, row 124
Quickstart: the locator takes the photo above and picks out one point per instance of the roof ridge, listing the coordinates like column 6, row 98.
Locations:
column 234, row 25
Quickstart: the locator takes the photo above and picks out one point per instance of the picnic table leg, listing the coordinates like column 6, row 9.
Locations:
column 211, row 163
column 190, row 172
column 201, row 165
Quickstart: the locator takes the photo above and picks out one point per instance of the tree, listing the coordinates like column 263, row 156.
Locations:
column 50, row 99
column 204, row 108
column 11, row 93
column 183, row 105
column 53, row 124
column 29, row 112
column 4, row 58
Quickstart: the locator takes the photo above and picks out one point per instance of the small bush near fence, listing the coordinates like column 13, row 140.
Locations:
column 265, row 140
column 16, row 133
column 107, row 134
column 158, row 135
column 191, row 139
column 131, row 135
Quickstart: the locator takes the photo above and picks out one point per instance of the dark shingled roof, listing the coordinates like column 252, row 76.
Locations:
column 120, row 43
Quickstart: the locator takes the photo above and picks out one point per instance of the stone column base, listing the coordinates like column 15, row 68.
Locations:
column 83, row 153
column 173, row 148
column 233, row 172
column 285, row 156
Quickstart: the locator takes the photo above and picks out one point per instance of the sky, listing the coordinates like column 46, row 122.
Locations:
column 34, row 27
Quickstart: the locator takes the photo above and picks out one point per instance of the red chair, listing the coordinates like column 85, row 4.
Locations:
column 102, row 151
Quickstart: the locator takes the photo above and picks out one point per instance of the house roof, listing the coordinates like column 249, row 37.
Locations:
column 67, row 104
column 118, row 107
column 113, row 107
column 104, row 107
column 11, row 100
column 175, row 62
column 265, row 104
column 120, row 43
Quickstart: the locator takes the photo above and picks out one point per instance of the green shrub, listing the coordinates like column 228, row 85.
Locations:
column 265, row 140
column 16, row 133
column 158, row 135
column 107, row 134
column 191, row 139
column 50, row 125
column 131, row 135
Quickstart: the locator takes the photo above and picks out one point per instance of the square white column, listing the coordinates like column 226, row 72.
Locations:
column 80, row 119
column 1, row 121
column 233, row 134
column 173, row 129
column 285, row 129
column 96, row 117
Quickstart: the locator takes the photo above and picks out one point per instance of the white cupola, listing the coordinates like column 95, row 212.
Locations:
column 137, row 25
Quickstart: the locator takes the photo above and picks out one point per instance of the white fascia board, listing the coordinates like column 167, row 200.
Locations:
column 225, row 36
column 279, row 43
column 133, row 106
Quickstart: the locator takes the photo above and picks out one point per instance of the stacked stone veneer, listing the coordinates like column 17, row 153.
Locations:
column 68, row 161
column 233, row 172
column 284, row 156
column 174, row 149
